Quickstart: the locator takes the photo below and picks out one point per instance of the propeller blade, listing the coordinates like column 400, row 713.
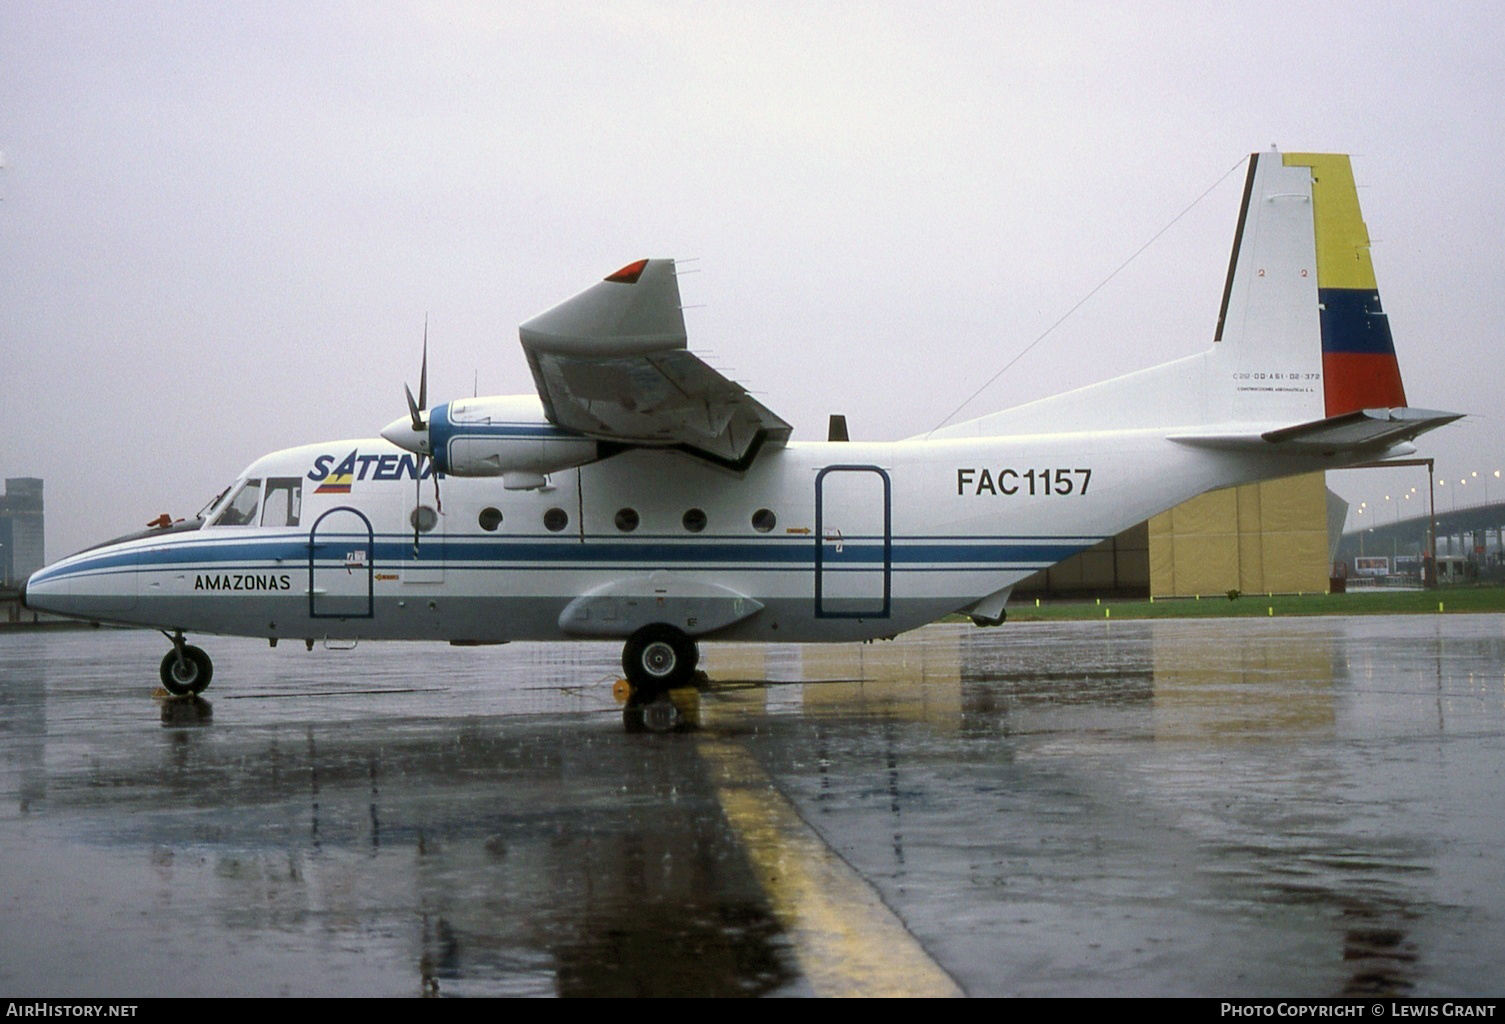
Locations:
column 418, row 408
column 423, row 374
column 417, row 494
column 414, row 410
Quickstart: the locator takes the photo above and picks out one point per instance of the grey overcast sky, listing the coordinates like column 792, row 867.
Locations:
column 222, row 225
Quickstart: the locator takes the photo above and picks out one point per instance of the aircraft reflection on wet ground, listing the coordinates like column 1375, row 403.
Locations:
column 1292, row 807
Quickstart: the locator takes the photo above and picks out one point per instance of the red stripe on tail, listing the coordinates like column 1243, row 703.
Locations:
column 1360, row 380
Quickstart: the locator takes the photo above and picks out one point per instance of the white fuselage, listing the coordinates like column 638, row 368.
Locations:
column 814, row 541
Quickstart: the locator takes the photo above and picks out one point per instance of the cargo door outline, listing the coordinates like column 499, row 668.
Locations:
column 853, row 543
column 341, row 566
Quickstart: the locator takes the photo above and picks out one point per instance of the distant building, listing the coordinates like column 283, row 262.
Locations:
column 22, row 539
column 1270, row 537
column 1274, row 537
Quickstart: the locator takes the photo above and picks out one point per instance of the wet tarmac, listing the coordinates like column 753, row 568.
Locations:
column 1228, row 808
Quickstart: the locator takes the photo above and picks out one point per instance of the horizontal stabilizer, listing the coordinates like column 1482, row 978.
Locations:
column 1359, row 431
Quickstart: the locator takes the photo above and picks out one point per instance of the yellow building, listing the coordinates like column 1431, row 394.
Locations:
column 1268, row 537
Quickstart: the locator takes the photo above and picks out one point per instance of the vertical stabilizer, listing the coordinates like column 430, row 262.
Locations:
column 1268, row 342
column 1301, row 320
column 1301, row 336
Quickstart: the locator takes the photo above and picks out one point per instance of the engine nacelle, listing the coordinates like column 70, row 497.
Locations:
column 507, row 437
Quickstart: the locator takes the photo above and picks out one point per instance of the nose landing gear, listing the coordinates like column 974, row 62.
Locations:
column 186, row 669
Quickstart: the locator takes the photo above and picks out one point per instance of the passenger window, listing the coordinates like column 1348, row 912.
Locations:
column 627, row 519
column 242, row 507
column 284, row 502
column 423, row 519
column 694, row 520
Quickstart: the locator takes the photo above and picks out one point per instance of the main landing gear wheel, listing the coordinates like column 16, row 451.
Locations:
column 658, row 658
column 186, row 672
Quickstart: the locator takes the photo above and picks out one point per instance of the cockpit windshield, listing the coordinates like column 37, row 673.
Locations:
column 242, row 508
column 213, row 503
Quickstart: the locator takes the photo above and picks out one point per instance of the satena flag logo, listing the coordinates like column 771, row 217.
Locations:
column 337, row 479
column 336, row 484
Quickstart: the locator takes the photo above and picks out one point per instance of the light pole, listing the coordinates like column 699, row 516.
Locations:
column 1474, row 473
column 1398, row 521
column 1429, row 570
column 1499, row 531
column 1421, row 545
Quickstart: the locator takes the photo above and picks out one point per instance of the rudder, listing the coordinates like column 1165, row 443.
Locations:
column 1359, row 368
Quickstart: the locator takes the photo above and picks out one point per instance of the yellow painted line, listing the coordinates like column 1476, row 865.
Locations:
column 847, row 941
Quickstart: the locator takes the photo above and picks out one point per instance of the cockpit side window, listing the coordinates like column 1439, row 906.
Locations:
column 284, row 501
column 242, row 508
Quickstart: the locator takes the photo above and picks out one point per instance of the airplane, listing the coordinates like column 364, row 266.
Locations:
column 641, row 496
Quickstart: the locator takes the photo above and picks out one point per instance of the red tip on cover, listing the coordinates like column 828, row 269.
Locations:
column 629, row 274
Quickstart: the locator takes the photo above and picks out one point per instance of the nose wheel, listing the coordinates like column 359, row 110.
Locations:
column 186, row 670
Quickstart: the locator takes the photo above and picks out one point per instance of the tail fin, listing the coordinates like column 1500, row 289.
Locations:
column 1301, row 308
column 1301, row 337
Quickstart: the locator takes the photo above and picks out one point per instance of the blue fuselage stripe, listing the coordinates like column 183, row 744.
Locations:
column 395, row 551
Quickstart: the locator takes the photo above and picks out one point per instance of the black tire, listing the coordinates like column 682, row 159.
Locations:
column 189, row 674
column 658, row 658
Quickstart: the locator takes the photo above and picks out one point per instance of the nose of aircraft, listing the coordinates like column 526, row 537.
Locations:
column 401, row 433
column 98, row 581
column 38, row 595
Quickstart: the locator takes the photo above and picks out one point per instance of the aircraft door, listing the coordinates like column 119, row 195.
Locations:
column 853, row 542
column 341, row 563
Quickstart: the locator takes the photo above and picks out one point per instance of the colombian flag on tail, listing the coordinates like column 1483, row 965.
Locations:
column 1359, row 369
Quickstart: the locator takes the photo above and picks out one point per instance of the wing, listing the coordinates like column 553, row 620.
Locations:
column 612, row 363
